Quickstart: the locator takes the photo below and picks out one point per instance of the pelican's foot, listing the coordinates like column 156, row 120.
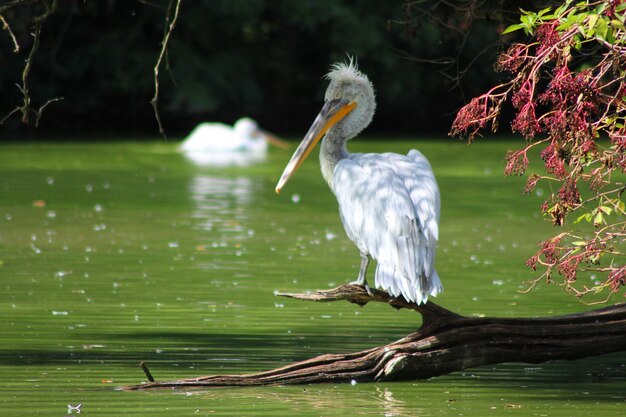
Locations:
column 364, row 284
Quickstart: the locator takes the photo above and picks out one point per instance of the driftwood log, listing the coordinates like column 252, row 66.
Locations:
column 446, row 342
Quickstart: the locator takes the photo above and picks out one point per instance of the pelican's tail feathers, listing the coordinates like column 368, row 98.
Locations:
column 435, row 286
column 389, row 278
column 386, row 279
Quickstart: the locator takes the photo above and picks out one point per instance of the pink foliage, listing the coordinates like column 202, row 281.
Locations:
column 564, row 100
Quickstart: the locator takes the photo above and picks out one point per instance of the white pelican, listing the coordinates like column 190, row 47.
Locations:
column 389, row 203
column 244, row 136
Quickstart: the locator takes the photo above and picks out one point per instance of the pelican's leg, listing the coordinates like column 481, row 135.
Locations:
column 365, row 260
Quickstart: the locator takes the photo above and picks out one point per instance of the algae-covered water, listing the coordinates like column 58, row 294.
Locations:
column 116, row 253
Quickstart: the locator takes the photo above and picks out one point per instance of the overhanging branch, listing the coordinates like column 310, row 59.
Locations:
column 170, row 24
column 38, row 21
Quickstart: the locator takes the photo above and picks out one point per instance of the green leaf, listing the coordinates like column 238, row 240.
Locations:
column 610, row 37
column 606, row 210
column 543, row 12
column 591, row 24
column 617, row 24
column 512, row 28
column 559, row 11
column 598, row 219
column 586, row 217
column 580, row 243
column 601, row 29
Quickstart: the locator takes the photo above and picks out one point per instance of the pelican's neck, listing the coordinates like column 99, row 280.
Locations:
column 333, row 150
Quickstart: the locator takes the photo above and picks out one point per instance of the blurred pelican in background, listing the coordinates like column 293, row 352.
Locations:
column 389, row 203
column 221, row 144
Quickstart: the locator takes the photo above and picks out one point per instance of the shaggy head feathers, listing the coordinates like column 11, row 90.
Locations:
column 351, row 85
column 348, row 72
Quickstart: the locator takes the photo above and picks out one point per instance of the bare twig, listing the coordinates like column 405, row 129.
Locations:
column 456, row 19
column 146, row 371
column 42, row 107
column 9, row 114
column 38, row 21
column 171, row 19
column 5, row 26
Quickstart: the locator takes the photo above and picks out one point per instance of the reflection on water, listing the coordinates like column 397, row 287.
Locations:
column 221, row 213
column 360, row 399
column 220, row 203
column 390, row 405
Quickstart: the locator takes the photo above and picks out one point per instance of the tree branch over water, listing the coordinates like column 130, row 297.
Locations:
column 446, row 342
column 38, row 21
column 170, row 23
column 37, row 13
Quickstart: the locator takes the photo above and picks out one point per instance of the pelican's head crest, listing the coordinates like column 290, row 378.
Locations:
column 348, row 69
column 348, row 72
column 349, row 84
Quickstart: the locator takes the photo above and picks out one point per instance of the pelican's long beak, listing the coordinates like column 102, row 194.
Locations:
column 332, row 112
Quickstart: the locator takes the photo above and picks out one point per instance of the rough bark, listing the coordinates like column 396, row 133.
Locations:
column 446, row 342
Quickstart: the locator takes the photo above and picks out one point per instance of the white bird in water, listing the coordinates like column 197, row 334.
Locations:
column 389, row 203
column 244, row 136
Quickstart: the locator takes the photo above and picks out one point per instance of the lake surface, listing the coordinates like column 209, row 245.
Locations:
column 112, row 254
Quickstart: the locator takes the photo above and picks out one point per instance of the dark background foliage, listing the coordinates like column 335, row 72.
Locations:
column 260, row 58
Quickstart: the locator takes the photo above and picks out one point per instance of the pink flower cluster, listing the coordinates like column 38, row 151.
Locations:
column 618, row 140
column 512, row 59
column 610, row 11
column 565, row 87
column 569, row 195
column 567, row 260
column 566, row 110
column 553, row 161
column 548, row 36
column 526, row 123
column 473, row 117
column 617, row 278
column 516, row 162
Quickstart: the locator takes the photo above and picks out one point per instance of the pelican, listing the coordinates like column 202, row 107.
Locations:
column 244, row 136
column 389, row 203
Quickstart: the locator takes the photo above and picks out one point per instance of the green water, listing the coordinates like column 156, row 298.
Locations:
column 116, row 253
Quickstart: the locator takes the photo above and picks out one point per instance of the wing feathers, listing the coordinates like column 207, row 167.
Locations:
column 389, row 206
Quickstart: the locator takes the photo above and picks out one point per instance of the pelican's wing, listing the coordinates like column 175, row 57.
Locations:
column 419, row 180
column 376, row 195
column 210, row 137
